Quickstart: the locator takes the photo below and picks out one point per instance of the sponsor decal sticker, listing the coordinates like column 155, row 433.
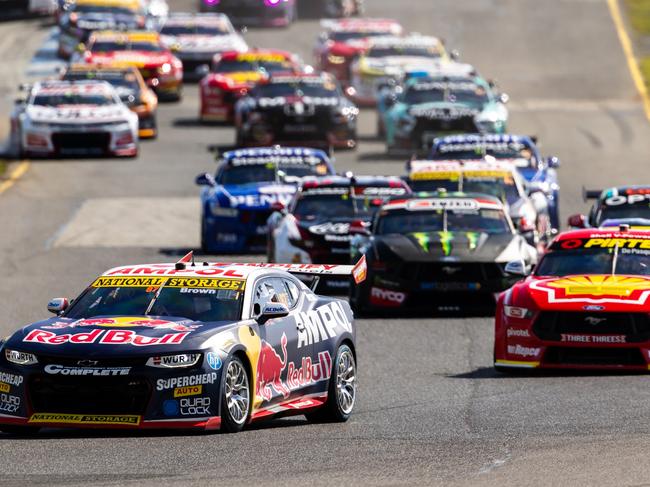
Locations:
column 195, row 406
column 596, row 288
column 125, row 322
column 4, row 387
column 523, row 351
column 191, row 380
column 214, row 361
column 85, row 371
column 385, row 297
column 11, row 379
column 188, row 391
column 170, row 407
column 9, row 403
column 104, row 337
column 327, row 321
column 568, row 337
column 110, row 419
column 517, row 332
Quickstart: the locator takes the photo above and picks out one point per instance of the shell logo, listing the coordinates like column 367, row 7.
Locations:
column 596, row 289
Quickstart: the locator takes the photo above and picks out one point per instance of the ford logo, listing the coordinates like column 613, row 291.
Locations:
column 593, row 307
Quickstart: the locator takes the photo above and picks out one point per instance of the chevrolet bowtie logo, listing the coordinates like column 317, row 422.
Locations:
column 87, row 363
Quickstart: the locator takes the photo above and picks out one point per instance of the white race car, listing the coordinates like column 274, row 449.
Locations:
column 389, row 58
column 74, row 118
column 196, row 38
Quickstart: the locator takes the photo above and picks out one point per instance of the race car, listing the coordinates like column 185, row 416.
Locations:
column 73, row 118
column 302, row 109
column 624, row 204
column 82, row 17
column 412, row 116
column 585, row 305
column 183, row 346
column 130, row 87
column 248, row 185
column 12, row 8
column 343, row 40
column 196, row 38
column 443, row 254
column 539, row 173
column 315, row 227
column 271, row 13
column 387, row 59
column 162, row 71
column 527, row 209
column 234, row 73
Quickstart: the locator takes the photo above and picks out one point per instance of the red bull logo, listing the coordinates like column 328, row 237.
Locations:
column 125, row 322
column 269, row 370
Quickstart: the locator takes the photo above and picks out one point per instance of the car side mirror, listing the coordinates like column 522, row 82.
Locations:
column 271, row 311
column 504, row 98
column 518, row 268
column 553, row 162
column 577, row 221
column 454, row 55
column 58, row 305
column 205, row 179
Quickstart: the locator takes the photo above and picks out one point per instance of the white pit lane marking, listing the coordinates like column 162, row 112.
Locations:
column 133, row 222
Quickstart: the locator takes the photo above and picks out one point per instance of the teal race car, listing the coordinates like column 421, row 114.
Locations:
column 414, row 113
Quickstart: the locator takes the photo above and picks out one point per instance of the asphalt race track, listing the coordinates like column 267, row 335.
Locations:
column 431, row 410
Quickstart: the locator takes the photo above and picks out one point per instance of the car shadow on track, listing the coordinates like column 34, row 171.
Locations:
column 491, row 373
column 63, row 433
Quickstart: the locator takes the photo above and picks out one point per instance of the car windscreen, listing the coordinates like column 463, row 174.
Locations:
column 197, row 299
column 505, row 189
column 126, row 85
column 332, row 206
column 624, row 211
column 599, row 260
column 260, row 173
column 111, row 46
column 475, row 220
column 274, row 90
column 414, row 51
column 102, row 9
column 452, row 92
column 235, row 66
column 521, row 154
column 351, row 36
column 202, row 30
column 61, row 99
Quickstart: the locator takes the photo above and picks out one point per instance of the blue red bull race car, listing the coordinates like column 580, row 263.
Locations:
column 249, row 185
column 185, row 345
column 521, row 150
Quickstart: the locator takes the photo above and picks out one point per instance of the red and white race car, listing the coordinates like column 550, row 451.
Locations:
column 234, row 73
column 585, row 306
column 343, row 40
column 162, row 71
column 70, row 118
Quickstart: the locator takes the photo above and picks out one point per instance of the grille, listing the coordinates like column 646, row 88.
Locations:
column 101, row 362
column 551, row 325
column 451, row 272
column 77, row 142
column 89, row 395
column 190, row 65
column 593, row 356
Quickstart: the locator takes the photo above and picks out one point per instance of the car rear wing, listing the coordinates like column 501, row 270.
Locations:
column 591, row 194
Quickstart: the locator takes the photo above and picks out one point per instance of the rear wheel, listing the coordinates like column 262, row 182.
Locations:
column 342, row 392
column 235, row 403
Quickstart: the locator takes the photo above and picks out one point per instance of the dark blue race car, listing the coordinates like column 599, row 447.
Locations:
column 248, row 186
column 540, row 173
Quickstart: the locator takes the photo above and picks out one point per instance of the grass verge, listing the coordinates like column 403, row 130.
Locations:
column 638, row 12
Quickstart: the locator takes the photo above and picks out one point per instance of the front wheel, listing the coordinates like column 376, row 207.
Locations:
column 342, row 391
column 235, row 402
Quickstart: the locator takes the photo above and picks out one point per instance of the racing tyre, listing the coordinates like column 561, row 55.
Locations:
column 342, row 391
column 236, row 397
